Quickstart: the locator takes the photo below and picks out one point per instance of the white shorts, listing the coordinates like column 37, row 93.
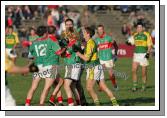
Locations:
column 95, row 73
column 8, row 51
column 9, row 100
column 49, row 71
column 73, row 71
column 140, row 58
column 107, row 64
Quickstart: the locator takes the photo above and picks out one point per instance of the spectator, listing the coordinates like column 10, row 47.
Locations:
column 32, row 34
column 153, row 36
column 126, row 29
column 62, row 25
column 75, row 17
column 132, row 19
column 124, row 8
column 27, row 12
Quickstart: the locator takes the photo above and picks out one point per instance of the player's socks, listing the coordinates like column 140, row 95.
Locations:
column 70, row 102
column 113, row 81
column 143, row 87
column 78, row 102
column 28, row 102
column 52, row 99
column 60, row 101
column 97, row 102
column 114, row 101
column 134, row 88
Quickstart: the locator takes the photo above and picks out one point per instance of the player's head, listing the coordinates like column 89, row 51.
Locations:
column 32, row 31
column 10, row 29
column 69, row 24
column 139, row 27
column 88, row 33
column 100, row 29
column 51, row 30
column 41, row 30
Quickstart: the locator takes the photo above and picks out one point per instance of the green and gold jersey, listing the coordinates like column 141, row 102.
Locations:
column 142, row 41
column 11, row 40
column 91, row 52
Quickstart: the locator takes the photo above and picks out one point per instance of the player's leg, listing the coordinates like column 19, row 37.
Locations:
column 67, row 88
column 57, row 84
column 81, row 92
column 112, row 78
column 75, row 93
column 89, row 86
column 144, row 77
column 9, row 100
column 134, row 75
column 47, row 86
column 60, row 98
column 108, row 92
column 31, row 91
column 16, row 69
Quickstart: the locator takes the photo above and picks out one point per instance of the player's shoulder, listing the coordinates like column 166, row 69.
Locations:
column 91, row 42
column 146, row 33
column 134, row 33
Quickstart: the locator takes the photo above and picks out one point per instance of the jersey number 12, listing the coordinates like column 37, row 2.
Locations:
column 41, row 49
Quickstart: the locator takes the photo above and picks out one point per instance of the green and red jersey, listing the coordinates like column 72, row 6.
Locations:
column 45, row 51
column 104, row 45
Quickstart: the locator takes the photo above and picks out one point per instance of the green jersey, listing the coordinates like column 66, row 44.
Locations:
column 71, row 57
column 45, row 51
column 33, row 38
column 104, row 46
column 142, row 41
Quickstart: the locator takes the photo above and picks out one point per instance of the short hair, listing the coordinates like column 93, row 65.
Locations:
column 90, row 31
column 100, row 25
column 51, row 29
column 67, row 20
column 140, row 23
column 11, row 27
column 41, row 30
column 31, row 28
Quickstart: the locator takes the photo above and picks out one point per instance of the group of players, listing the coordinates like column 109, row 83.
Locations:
column 92, row 55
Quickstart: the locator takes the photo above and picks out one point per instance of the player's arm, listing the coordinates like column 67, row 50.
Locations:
column 58, row 50
column 16, row 39
column 88, row 53
column 149, row 45
column 115, row 46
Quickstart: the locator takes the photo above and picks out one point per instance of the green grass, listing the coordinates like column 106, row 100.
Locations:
column 19, row 86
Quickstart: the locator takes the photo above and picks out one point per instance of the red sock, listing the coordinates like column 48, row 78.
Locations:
column 113, row 80
column 52, row 98
column 28, row 101
column 60, row 99
column 70, row 101
column 78, row 102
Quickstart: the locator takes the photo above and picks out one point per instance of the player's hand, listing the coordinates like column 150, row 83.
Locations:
column 147, row 55
column 13, row 52
column 63, row 43
column 33, row 68
column 75, row 48
column 115, row 58
column 26, row 43
column 128, row 43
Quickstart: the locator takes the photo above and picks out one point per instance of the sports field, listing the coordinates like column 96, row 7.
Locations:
column 19, row 86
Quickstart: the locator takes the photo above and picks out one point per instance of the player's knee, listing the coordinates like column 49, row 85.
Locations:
column 133, row 70
column 89, row 89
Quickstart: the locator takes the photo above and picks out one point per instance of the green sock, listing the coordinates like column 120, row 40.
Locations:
column 134, row 84
column 97, row 102
column 143, row 85
column 114, row 101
